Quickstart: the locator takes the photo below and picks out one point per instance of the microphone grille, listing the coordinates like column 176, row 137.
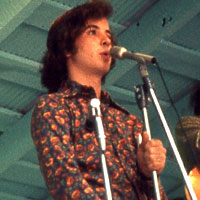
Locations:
column 117, row 52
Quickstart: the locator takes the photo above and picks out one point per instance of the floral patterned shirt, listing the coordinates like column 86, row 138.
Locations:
column 68, row 150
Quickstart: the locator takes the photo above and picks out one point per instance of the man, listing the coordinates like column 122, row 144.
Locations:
column 75, row 64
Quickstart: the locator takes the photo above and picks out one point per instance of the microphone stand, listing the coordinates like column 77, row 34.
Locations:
column 142, row 100
column 96, row 113
column 148, row 84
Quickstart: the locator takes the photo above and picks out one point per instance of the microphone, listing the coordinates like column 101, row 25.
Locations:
column 122, row 53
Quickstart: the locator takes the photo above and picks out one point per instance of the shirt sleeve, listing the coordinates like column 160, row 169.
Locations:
column 50, row 130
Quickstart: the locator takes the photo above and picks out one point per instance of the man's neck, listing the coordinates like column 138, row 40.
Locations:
column 88, row 77
column 93, row 82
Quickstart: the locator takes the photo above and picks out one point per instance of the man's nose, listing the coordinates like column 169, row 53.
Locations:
column 105, row 41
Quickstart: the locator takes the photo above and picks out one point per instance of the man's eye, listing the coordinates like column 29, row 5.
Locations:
column 92, row 32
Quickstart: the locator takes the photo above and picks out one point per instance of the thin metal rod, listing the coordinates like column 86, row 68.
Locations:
column 173, row 145
column 154, row 173
column 147, row 82
column 96, row 113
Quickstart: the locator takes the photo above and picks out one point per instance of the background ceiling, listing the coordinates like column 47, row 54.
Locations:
column 166, row 29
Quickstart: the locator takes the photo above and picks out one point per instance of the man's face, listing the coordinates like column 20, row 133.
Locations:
column 93, row 48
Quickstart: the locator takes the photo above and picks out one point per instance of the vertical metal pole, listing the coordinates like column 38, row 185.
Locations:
column 96, row 113
column 142, row 102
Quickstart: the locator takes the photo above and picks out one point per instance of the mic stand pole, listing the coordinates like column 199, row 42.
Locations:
column 147, row 82
column 142, row 100
column 96, row 113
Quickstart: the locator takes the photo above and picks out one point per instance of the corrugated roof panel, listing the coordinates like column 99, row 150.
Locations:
column 174, row 82
column 26, row 41
column 168, row 31
column 15, row 97
column 189, row 35
column 124, row 10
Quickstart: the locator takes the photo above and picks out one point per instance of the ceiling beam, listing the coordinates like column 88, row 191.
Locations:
column 123, row 94
column 176, row 52
column 15, row 142
column 47, row 12
column 13, row 62
column 13, row 13
column 22, row 79
column 20, row 71
column 140, row 7
column 120, row 93
column 147, row 35
column 10, row 113
column 8, row 117
column 57, row 5
column 161, row 21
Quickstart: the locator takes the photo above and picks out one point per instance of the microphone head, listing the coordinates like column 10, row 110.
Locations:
column 122, row 53
column 117, row 52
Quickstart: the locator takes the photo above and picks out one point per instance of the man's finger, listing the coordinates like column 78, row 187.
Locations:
column 145, row 138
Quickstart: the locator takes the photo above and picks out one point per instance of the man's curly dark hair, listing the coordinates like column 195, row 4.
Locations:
column 61, row 39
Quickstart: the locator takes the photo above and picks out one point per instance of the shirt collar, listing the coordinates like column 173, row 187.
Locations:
column 73, row 89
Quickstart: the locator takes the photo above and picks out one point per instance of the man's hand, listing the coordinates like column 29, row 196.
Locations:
column 151, row 155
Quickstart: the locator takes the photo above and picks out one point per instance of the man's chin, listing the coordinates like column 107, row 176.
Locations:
column 103, row 79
